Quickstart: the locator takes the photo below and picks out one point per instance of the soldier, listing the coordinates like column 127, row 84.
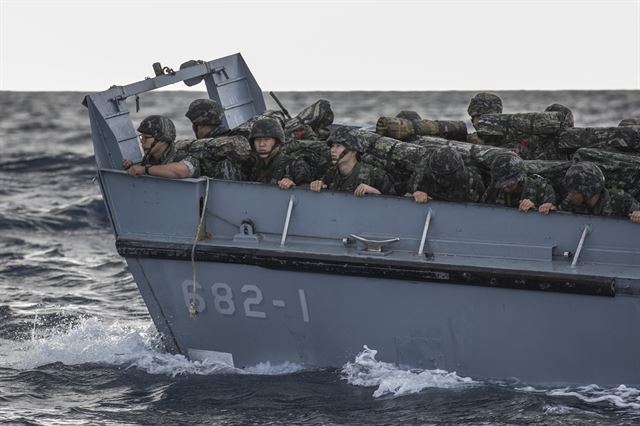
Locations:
column 271, row 165
column 442, row 175
column 587, row 194
column 206, row 121
column 483, row 103
column 511, row 187
column 206, row 118
column 348, row 172
column 157, row 136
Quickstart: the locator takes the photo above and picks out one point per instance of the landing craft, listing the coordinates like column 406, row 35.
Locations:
column 310, row 278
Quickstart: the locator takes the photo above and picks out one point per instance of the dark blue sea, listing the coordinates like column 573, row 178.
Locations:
column 77, row 345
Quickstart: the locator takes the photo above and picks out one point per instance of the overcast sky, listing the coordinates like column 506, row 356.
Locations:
column 328, row 45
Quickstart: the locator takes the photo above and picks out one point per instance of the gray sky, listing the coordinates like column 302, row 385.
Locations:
column 328, row 45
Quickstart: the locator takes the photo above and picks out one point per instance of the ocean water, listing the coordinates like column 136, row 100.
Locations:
column 77, row 345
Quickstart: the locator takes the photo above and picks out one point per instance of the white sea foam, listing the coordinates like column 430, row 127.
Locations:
column 131, row 346
column 621, row 396
column 392, row 380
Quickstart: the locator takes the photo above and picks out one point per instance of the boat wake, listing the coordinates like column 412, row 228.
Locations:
column 392, row 380
column 92, row 341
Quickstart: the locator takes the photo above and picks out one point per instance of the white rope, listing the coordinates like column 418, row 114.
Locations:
column 193, row 308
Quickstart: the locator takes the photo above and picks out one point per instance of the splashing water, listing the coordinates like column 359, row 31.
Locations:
column 367, row 371
column 132, row 346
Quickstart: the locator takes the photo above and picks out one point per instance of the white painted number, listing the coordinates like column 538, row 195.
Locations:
column 256, row 300
column 223, row 298
column 187, row 292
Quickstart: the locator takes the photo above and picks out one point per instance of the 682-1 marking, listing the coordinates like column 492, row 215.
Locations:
column 224, row 303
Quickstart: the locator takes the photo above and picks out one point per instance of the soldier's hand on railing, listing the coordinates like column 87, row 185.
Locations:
column 286, row 183
column 526, row 205
column 317, row 185
column 421, row 197
column 546, row 208
column 635, row 216
column 126, row 164
column 135, row 170
column 363, row 189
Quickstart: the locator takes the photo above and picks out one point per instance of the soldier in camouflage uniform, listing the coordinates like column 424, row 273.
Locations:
column 206, row 120
column 482, row 103
column 442, row 175
column 348, row 172
column 510, row 186
column 157, row 136
column 587, row 194
column 271, row 165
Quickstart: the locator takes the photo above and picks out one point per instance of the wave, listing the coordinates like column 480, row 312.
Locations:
column 391, row 380
column 85, row 212
column 92, row 341
column 366, row 371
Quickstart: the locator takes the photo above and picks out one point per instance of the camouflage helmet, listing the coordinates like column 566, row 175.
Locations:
column 567, row 121
column 485, row 103
column 584, row 178
column 205, row 112
column 347, row 137
column 409, row 115
column 507, row 169
column 446, row 162
column 160, row 127
column 267, row 128
column 629, row 122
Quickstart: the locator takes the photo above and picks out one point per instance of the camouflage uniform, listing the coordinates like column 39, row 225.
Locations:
column 508, row 170
column 482, row 103
column 361, row 172
column 545, row 147
column 214, row 153
column 280, row 166
column 311, row 123
column 443, row 176
column 621, row 171
column 587, row 179
column 163, row 130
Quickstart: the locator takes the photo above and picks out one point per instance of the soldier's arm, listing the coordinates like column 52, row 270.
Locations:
column 178, row 170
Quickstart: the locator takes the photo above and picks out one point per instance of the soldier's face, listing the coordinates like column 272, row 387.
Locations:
column 336, row 151
column 474, row 120
column 264, row 146
column 511, row 188
column 201, row 131
column 575, row 198
column 145, row 140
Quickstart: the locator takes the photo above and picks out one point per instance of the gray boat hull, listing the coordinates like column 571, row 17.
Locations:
column 256, row 314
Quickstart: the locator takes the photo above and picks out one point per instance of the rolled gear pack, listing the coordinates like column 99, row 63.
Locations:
column 515, row 127
column 310, row 122
column 403, row 129
column 622, row 139
column 409, row 115
column 315, row 153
